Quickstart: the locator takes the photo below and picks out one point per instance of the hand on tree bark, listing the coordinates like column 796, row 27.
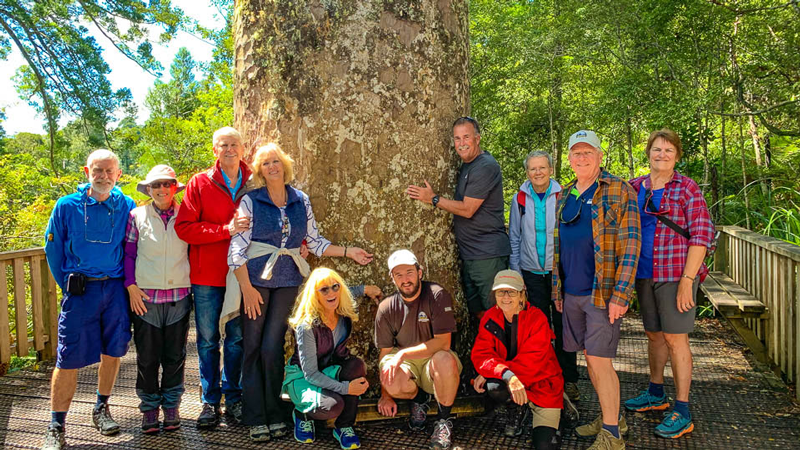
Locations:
column 423, row 194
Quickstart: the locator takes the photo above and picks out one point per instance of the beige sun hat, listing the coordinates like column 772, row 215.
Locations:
column 508, row 279
column 159, row 172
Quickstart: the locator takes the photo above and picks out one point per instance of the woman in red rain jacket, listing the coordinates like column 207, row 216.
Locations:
column 517, row 364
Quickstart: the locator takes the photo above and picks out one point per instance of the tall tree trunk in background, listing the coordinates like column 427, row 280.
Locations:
column 629, row 137
column 721, row 180
column 744, row 174
column 753, row 131
column 362, row 94
column 554, row 99
column 704, row 144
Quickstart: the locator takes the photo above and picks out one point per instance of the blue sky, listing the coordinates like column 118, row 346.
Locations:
column 124, row 73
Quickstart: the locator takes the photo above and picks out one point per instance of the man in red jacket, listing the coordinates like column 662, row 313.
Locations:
column 206, row 221
column 517, row 364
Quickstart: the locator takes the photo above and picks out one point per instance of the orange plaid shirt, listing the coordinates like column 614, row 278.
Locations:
column 617, row 233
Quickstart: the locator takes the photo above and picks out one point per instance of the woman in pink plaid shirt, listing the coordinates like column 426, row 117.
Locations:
column 676, row 233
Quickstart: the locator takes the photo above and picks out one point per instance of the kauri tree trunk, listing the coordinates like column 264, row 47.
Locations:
column 362, row 94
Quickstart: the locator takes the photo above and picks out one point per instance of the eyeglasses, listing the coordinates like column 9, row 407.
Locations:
column 94, row 233
column 649, row 206
column 325, row 289
column 165, row 183
column 506, row 293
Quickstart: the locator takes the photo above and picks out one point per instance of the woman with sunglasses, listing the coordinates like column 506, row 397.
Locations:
column 267, row 263
column 156, row 267
column 516, row 363
column 323, row 379
column 676, row 232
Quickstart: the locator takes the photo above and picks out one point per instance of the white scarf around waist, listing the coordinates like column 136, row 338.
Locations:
column 233, row 292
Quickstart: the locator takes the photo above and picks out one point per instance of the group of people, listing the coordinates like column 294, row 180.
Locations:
column 235, row 248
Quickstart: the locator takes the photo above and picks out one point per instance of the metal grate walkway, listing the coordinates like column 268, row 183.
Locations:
column 735, row 405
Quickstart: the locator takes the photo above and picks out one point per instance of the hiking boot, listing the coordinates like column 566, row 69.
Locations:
column 571, row 413
column 593, row 428
column 347, row 437
column 303, row 428
column 234, row 411
column 54, row 439
column 102, row 420
column 419, row 412
column 606, row 441
column 572, row 391
column 150, row 423
column 172, row 419
column 645, row 401
column 259, row 433
column 516, row 416
column 674, row 426
column 442, row 434
column 278, row 430
column 209, row 416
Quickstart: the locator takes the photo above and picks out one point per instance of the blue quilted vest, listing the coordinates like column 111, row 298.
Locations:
column 267, row 229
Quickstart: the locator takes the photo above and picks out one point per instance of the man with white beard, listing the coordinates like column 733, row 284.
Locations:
column 83, row 244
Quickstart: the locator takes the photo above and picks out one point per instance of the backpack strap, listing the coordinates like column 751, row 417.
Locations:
column 521, row 202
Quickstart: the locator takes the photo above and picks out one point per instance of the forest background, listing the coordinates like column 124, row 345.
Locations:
column 724, row 74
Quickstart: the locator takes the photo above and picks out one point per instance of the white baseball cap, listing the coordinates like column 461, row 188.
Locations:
column 587, row 136
column 400, row 258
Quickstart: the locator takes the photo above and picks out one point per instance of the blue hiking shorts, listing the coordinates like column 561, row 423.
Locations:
column 93, row 323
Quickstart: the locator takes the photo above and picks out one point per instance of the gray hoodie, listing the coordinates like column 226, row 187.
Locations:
column 522, row 230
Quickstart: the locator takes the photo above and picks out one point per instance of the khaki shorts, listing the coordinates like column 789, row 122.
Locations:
column 545, row 417
column 420, row 369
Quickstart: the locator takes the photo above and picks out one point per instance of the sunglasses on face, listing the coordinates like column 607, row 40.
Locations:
column 325, row 289
column 165, row 183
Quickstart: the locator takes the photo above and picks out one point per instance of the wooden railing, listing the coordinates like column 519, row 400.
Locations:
column 34, row 297
column 769, row 269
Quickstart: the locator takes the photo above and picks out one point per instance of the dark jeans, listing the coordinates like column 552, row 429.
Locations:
column 207, row 310
column 478, row 277
column 160, row 347
column 343, row 407
column 539, row 289
column 264, row 360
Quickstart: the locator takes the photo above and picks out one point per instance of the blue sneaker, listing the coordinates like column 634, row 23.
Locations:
column 647, row 402
column 303, row 429
column 674, row 426
column 347, row 437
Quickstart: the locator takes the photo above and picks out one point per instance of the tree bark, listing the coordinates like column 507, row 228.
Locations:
column 362, row 94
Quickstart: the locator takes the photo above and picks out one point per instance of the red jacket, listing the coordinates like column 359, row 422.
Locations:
column 535, row 363
column 205, row 212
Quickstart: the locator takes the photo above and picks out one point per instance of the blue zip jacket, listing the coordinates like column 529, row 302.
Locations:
column 86, row 236
column 526, row 247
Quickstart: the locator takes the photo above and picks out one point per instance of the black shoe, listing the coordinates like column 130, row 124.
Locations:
column 442, row 435
column 234, row 411
column 516, row 417
column 102, row 420
column 209, row 416
column 419, row 412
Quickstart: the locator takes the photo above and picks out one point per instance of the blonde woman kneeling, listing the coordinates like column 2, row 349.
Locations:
column 322, row 378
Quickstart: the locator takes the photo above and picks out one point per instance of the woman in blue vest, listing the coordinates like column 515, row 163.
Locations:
column 269, row 268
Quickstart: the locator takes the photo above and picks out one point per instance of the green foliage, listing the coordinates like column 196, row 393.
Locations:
column 541, row 70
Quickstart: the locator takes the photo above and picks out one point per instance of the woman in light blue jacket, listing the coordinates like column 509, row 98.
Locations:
column 531, row 224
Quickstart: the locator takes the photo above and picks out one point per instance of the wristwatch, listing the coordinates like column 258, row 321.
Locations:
column 435, row 200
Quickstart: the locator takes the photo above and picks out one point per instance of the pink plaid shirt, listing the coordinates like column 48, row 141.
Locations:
column 684, row 204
